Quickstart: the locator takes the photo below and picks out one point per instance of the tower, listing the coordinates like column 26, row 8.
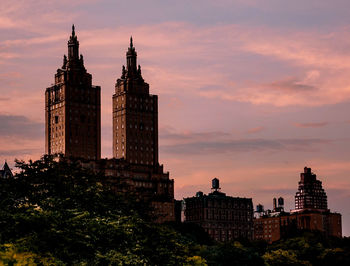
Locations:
column 310, row 193
column 73, row 109
column 135, row 115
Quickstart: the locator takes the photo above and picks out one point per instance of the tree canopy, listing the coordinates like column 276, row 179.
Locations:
column 54, row 212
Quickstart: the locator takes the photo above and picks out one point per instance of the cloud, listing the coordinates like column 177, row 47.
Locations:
column 17, row 152
column 189, row 61
column 9, row 75
column 244, row 145
column 255, row 130
column 312, row 125
column 188, row 136
column 20, row 126
column 290, row 85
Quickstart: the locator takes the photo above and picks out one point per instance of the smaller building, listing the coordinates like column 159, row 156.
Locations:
column 223, row 217
column 310, row 213
column 148, row 183
column 6, row 171
column 272, row 228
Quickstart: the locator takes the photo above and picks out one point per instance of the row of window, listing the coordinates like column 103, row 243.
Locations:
column 136, row 99
column 218, row 204
column 135, row 148
column 135, row 106
column 141, row 127
column 136, row 140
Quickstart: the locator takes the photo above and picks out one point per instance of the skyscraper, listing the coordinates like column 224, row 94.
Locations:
column 73, row 109
column 135, row 116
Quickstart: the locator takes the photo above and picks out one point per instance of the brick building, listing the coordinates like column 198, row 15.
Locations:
column 135, row 115
column 310, row 213
column 73, row 109
column 223, row 217
column 273, row 228
column 73, row 129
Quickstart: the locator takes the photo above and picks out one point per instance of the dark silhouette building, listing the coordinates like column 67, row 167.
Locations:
column 310, row 193
column 73, row 128
column 135, row 167
column 73, row 109
column 6, row 171
column 223, row 217
column 135, row 115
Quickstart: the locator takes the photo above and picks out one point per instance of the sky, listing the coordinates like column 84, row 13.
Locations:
column 250, row 91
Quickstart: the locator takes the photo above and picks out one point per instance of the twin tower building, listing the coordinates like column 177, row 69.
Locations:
column 73, row 126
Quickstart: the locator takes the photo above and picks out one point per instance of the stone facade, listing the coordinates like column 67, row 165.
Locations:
column 73, row 109
column 223, row 217
column 135, row 116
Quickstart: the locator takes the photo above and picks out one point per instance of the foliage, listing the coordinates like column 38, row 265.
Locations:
column 283, row 257
column 10, row 255
column 57, row 208
column 54, row 212
column 230, row 254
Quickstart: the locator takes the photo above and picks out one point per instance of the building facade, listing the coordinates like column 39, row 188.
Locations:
column 73, row 109
column 310, row 193
column 135, row 116
column 223, row 217
column 135, row 166
column 310, row 213
column 273, row 228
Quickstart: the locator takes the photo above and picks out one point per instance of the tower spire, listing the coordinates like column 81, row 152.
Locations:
column 131, row 59
column 73, row 47
column 131, row 44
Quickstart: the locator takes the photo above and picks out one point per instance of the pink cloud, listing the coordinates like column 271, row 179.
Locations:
column 255, row 130
column 168, row 54
column 206, row 70
column 312, row 125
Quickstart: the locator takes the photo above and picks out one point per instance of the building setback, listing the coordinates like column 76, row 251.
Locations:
column 310, row 213
column 310, row 193
column 73, row 109
column 223, row 217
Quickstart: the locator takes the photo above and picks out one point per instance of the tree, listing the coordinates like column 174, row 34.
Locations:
column 283, row 257
column 59, row 209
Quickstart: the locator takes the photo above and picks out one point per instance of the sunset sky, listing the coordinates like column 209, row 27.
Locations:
column 250, row 91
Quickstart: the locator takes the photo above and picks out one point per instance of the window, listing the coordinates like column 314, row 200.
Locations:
column 56, row 119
